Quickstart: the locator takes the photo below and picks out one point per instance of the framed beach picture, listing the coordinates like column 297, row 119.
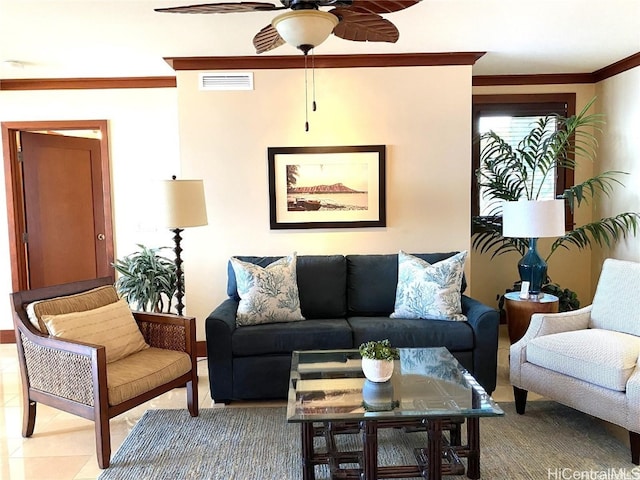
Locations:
column 327, row 187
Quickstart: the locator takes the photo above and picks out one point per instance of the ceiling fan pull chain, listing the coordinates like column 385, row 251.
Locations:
column 313, row 77
column 306, row 97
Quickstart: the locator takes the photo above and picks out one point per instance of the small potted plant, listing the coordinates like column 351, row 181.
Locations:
column 147, row 280
column 377, row 359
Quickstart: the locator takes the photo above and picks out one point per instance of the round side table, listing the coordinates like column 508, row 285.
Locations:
column 519, row 311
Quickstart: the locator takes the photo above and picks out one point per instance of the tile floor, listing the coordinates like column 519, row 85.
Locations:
column 63, row 445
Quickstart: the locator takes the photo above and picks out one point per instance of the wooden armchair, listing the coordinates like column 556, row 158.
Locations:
column 74, row 376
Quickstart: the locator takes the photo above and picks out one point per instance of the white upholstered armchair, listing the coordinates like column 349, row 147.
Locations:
column 588, row 359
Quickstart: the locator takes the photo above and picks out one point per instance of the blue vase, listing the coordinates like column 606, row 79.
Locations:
column 533, row 268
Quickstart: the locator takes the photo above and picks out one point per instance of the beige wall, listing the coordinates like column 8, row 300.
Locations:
column 571, row 269
column 421, row 114
column 143, row 143
column 619, row 100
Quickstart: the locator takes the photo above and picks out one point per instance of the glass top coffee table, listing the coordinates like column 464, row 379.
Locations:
column 429, row 391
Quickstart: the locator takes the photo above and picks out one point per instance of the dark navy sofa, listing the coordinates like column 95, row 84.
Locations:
column 346, row 300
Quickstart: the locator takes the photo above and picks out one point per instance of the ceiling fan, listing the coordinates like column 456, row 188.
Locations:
column 306, row 26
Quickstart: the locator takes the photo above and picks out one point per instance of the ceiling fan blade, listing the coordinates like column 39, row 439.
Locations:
column 364, row 27
column 381, row 6
column 267, row 39
column 222, row 8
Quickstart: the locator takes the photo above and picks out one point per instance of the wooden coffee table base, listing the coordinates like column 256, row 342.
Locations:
column 441, row 456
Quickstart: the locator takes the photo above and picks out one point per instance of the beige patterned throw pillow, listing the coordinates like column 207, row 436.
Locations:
column 429, row 291
column 267, row 294
column 112, row 326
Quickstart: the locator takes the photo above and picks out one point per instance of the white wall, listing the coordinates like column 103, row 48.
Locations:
column 143, row 143
column 422, row 115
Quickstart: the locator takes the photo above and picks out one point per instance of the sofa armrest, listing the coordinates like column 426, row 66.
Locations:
column 485, row 322
column 549, row 323
column 219, row 327
column 545, row 324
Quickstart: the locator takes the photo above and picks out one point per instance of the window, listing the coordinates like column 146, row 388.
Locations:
column 511, row 117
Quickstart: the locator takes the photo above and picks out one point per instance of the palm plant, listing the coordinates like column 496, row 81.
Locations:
column 147, row 279
column 509, row 173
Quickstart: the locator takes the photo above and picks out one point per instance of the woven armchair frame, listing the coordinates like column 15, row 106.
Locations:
column 72, row 376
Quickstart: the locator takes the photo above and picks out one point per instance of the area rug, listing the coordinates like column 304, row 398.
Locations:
column 549, row 441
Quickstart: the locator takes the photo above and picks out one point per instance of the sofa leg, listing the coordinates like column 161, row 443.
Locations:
column 634, row 441
column 520, row 397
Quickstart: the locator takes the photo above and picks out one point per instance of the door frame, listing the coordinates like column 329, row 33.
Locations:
column 15, row 194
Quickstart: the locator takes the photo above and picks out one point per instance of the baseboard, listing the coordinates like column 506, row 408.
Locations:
column 7, row 336
column 201, row 349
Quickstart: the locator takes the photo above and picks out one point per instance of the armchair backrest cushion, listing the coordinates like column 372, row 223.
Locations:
column 111, row 326
column 615, row 304
column 79, row 302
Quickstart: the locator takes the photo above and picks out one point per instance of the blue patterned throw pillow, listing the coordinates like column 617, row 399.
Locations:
column 267, row 294
column 429, row 291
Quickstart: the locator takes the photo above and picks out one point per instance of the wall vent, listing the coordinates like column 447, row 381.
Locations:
column 226, row 81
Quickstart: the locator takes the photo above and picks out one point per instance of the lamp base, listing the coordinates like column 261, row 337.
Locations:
column 533, row 269
column 179, row 280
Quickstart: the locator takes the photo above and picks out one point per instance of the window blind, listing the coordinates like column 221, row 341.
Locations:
column 513, row 129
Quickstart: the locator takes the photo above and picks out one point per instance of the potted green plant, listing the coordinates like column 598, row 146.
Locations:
column 147, row 280
column 509, row 173
column 377, row 359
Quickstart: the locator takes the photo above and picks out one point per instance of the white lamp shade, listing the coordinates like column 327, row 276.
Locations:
column 533, row 219
column 184, row 204
column 305, row 27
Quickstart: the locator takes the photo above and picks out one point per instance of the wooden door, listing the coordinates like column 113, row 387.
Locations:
column 64, row 211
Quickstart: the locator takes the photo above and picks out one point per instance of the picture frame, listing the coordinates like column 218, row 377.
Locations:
column 327, row 187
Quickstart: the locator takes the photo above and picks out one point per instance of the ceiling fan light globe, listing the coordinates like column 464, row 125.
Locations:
column 305, row 27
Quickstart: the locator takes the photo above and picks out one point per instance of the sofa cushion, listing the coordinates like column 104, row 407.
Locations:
column 429, row 290
column 267, row 294
column 111, row 326
column 602, row 357
column 278, row 338
column 322, row 283
column 372, row 280
column 144, row 371
column 455, row 336
column 79, row 302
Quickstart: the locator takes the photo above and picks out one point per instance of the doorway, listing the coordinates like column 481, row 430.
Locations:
column 58, row 201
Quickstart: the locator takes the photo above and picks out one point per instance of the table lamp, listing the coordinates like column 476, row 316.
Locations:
column 184, row 207
column 533, row 219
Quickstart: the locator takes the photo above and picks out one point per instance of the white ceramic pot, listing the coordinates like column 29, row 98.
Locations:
column 377, row 370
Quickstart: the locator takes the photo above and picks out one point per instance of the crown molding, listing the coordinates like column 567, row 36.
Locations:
column 544, row 79
column 324, row 61
column 86, row 83
column 320, row 61
column 609, row 71
column 620, row 66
